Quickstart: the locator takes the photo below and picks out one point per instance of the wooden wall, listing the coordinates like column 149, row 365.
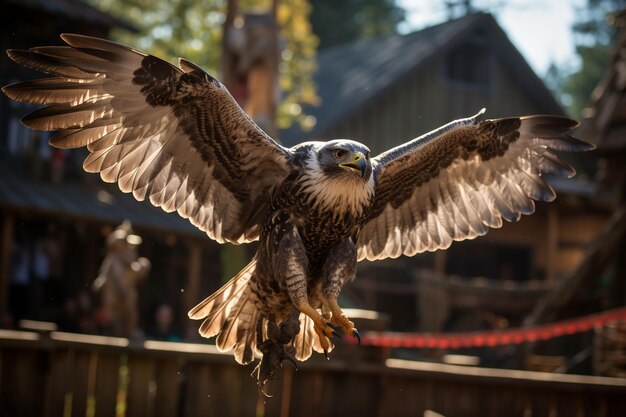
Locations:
column 426, row 100
column 70, row 375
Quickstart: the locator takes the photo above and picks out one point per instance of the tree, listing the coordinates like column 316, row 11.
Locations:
column 193, row 29
column 594, row 39
column 336, row 22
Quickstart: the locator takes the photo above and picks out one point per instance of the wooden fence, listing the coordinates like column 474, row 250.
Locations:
column 69, row 375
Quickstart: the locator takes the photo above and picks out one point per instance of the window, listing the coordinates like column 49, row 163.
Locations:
column 469, row 63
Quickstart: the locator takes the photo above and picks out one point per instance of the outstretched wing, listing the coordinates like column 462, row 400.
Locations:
column 172, row 135
column 454, row 183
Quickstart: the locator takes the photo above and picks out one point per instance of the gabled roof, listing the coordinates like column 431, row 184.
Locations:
column 87, row 203
column 74, row 10
column 351, row 75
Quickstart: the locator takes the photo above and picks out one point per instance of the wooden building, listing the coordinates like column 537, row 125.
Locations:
column 54, row 217
column 386, row 91
column 605, row 125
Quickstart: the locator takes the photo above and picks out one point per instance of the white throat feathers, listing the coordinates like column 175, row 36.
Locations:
column 341, row 194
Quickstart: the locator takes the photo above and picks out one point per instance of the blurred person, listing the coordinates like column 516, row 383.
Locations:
column 69, row 321
column 19, row 281
column 163, row 322
column 86, row 312
column 40, row 269
column 120, row 273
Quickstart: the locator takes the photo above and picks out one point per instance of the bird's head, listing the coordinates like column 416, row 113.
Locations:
column 345, row 157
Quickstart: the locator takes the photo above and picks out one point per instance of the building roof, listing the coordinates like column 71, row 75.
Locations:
column 74, row 10
column 351, row 75
column 88, row 203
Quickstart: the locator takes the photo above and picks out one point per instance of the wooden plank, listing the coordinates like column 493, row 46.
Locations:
column 79, row 383
column 140, row 398
column 198, row 384
column 552, row 244
column 222, row 389
column 544, row 403
column 216, row 386
column 229, row 394
column 306, row 391
column 6, row 247
column 58, row 390
column 107, row 383
column 8, row 400
column 508, row 401
column 495, row 376
column 167, row 378
column 248, row 392
column 279, row 390
column 20, row 373
column 192, row 288
column 616, row 404
column 406, row 397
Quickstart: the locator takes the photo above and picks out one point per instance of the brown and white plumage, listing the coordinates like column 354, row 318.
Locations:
column 460, row 180
column 175, row 136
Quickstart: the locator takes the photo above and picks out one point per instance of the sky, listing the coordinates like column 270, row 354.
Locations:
column 540, row 29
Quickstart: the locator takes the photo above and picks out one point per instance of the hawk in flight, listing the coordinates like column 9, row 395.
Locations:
column 175, row 136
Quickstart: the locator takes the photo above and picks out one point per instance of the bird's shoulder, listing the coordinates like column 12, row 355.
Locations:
column 304, row 151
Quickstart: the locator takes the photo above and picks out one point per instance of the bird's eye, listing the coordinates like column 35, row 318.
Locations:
column 339, row 153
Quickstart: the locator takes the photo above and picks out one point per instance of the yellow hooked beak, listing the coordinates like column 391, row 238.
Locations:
column 358, row 165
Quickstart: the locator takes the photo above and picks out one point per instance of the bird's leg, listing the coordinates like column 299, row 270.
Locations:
column 321, row 324
column 273, row 348
column 340, row 267
column 292, row 269
column 323, row 328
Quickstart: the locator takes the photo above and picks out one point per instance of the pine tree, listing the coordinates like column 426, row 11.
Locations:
column 594, row 39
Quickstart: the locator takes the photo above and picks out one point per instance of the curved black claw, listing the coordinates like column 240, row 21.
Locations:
column 326, row 354
column 356, row 334
column 335, row 332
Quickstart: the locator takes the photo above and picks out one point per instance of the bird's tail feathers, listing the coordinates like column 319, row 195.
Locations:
column 306, row 341
column 231, row 314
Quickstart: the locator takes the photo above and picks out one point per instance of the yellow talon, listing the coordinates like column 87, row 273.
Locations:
column 321, row 325
column 340, row 320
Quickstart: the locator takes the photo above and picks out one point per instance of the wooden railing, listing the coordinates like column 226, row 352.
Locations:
column 69, row 375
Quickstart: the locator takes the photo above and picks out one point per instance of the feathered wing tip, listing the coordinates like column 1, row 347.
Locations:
column 307, row 341
column 553, row 132
column 556, row 131
column 231, row 314
column 82, row 89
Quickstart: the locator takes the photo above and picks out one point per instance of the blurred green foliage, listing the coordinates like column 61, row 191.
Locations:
column 594, row 38
column 336, row 22
column 193, row 29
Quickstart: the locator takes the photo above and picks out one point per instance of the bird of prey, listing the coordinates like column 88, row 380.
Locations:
column 175, row 136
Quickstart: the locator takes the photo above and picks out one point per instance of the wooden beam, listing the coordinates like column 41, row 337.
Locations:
column 441, row 258
column 192, row 286
column 552, row 244
column 6, row 247
column 232, row 9
column 600, row 253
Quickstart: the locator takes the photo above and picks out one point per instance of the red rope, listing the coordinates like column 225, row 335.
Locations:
column 494, row 337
